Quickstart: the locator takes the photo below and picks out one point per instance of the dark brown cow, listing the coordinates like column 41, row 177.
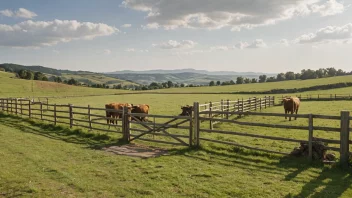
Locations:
column 291, row 104
column 115, row 115
column 186, row 110
column 141, row 108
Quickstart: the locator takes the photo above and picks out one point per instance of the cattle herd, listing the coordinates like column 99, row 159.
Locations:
column 291, row 105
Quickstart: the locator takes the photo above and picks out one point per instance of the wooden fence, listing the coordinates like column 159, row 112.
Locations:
column 323, row 97
column 92, row 118
column 239, row 105
column 344, row 130
column 95, row 119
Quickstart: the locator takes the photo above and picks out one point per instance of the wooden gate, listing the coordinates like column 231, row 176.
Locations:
column 177, row 130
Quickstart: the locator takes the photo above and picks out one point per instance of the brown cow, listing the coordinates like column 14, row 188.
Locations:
column 141, row 108
column 116, row 115
column 186, row 110
column 291, row 104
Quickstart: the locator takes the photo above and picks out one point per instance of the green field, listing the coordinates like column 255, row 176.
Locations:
column 97, row 79
column 260, row 86
column 12, row 87
column 39, row 160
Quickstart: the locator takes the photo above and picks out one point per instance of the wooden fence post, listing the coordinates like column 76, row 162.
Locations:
column 47, row 104
column 29, row 109
column 21, row 110
column 211, row 116
column 11, row 101
column 335, row 96
column 55, row 119
column 71, row 114
column 310, row 138
column 196, row 124
column 265, row 102
column 16, row 106
column 238, row 105
column 269, row 101
column 242, row 106
column 260, row 102
column 344, row 138
column 41, row 110
column 191, row 129
column 250, row 104
column 125, row 124
column 89, row 118
column 222, row 108
column 227, row 108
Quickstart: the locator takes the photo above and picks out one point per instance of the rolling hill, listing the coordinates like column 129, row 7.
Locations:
column 85, row 77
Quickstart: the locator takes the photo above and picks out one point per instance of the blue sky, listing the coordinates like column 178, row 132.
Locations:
column 235, row 35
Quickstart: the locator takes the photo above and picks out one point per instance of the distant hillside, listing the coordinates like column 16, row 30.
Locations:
column 178, row 71
column 186, row 77
column 85, row 77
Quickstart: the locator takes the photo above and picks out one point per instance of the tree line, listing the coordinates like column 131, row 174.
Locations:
column 305, row 74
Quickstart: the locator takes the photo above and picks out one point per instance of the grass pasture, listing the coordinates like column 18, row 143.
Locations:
column 62, row 163
column 42, row 160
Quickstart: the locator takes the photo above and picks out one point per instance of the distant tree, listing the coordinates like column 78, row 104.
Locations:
column 321, row 73
column 232, row 82
column 331, row 71
column 170, row 84
column 22, row 73
column 29, row 75
column 290, row 76
column 297, row 76
column 212, row 83
column 182, row 85
column 38, row 76
column 262, row 78
column 340, row 72
column 280, row 77
column 271, row 79
column 247, row 80
column 308, row 74
column 239, row 80
column 254, row 80
column 72, row 81
column 218, row 83
column 45, row 78
column 58, row 79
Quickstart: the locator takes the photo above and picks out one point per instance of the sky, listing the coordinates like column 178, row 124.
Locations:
column 227, row 35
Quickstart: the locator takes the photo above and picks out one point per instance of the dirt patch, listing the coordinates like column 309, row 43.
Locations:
column 134, row 150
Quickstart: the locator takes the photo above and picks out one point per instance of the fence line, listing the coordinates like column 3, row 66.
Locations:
column 322, row 97
column 212, row 112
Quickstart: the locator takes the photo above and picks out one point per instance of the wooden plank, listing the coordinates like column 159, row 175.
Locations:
column 344, row 138
column 327, row 117
column 159, row 116
column 256, row 113
column 257, row 124
column 159, row 141
column 89, row 117
column 328, row 129
column 332, row 148
column 161, row 125
column 244, row 146
column 310, row 137
column 252, row 135
column 196, row 124
column 158, row 134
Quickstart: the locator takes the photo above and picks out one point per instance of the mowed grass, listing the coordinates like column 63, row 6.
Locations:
column 259, row 86
column 98, row 79
column 12, row 87
column 42, row 160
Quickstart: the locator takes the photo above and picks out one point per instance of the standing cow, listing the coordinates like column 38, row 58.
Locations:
column 291, row 104
column 118, row 107
column 142, row 109
column 186, row 110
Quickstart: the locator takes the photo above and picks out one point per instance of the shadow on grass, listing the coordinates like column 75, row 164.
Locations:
column 76, row 136
column 319, row 180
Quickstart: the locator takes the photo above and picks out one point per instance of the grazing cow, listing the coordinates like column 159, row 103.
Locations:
column 186, row 110
column 116, row 115
column 291, row 104
column 142, row 108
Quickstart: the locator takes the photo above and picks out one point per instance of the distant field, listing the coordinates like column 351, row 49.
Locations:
column 260, row 86
column 11, row 87
column 98, row 79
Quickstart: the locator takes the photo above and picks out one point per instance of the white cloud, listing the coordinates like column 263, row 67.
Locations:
column 56, row 52
column 220, row 48
column 146, row 51
column 126, row 25
column 258, row 43
column 48, row 33
column 236, row 14
column 130, row 50
column 284, row 42
column 341, row 34
column 150, row 26
column 331, row 7
column 171, row 44
column 20, row 13
column 107, row 51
